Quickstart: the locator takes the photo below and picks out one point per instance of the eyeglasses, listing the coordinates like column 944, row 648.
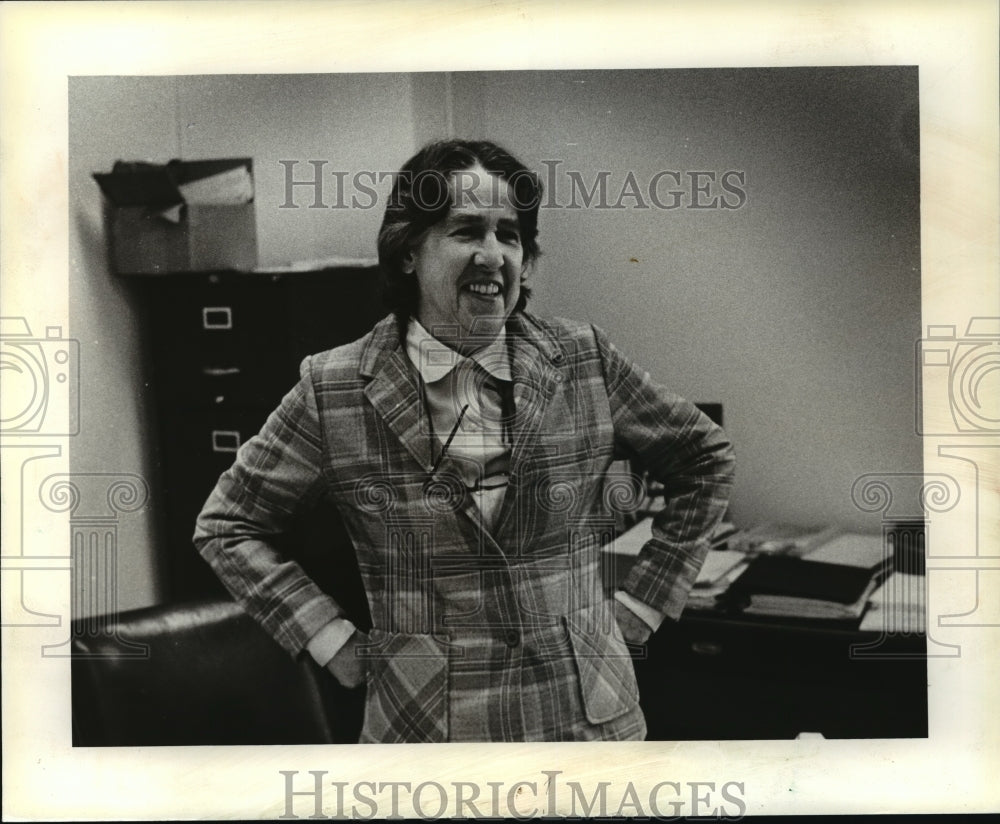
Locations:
column 497, row 479
column 447, row 443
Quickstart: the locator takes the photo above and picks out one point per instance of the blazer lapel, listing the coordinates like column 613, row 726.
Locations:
column 394, row 392
column 535, row 377
column 534, row 361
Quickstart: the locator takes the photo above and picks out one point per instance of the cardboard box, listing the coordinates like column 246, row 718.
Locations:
column 182, row 216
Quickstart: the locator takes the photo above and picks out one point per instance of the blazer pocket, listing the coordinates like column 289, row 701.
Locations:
column 407, row 698
column 608, row 688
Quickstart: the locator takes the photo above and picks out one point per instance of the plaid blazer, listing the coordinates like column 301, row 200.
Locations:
column 478, row 635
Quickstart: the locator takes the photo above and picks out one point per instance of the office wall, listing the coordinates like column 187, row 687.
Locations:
column 345, row 122
column 351, row 121
column 111, row 119
column 798, row 311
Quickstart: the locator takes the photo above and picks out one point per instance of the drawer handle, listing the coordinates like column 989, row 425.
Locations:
column 224, row 440
column 219, row 371
column 706, row 648
column 217, row 317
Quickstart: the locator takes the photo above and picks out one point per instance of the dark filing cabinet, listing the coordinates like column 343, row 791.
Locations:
column 226, row 347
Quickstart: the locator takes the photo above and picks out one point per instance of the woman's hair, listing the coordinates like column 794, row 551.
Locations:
column 421, row 197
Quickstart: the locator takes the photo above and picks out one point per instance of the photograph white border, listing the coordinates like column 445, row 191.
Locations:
column 955, row 46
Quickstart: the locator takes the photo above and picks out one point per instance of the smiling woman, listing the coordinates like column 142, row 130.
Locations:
column 490, row 618
column 485, row 196
column 469, row 267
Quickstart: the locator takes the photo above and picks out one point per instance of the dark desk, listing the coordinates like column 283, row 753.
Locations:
column 717, row 677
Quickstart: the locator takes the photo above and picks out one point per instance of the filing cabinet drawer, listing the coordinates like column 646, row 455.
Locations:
column 202, row 443
column 236, row 382
column 214, row 341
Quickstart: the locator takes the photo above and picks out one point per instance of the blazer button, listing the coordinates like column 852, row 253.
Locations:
column 512, row 638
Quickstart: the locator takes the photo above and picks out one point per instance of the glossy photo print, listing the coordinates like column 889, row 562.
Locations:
column 449, row 439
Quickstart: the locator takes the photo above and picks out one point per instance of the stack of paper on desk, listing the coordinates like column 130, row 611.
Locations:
column 718, row 564
column 780, row 570
column 785, row 585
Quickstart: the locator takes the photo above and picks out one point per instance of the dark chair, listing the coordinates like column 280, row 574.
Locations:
column 200, row 673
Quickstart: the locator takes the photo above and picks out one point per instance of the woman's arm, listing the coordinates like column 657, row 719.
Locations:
column 276, row 474
column 686, row 452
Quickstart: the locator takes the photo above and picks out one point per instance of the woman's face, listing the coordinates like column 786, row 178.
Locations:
column 469, row 265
